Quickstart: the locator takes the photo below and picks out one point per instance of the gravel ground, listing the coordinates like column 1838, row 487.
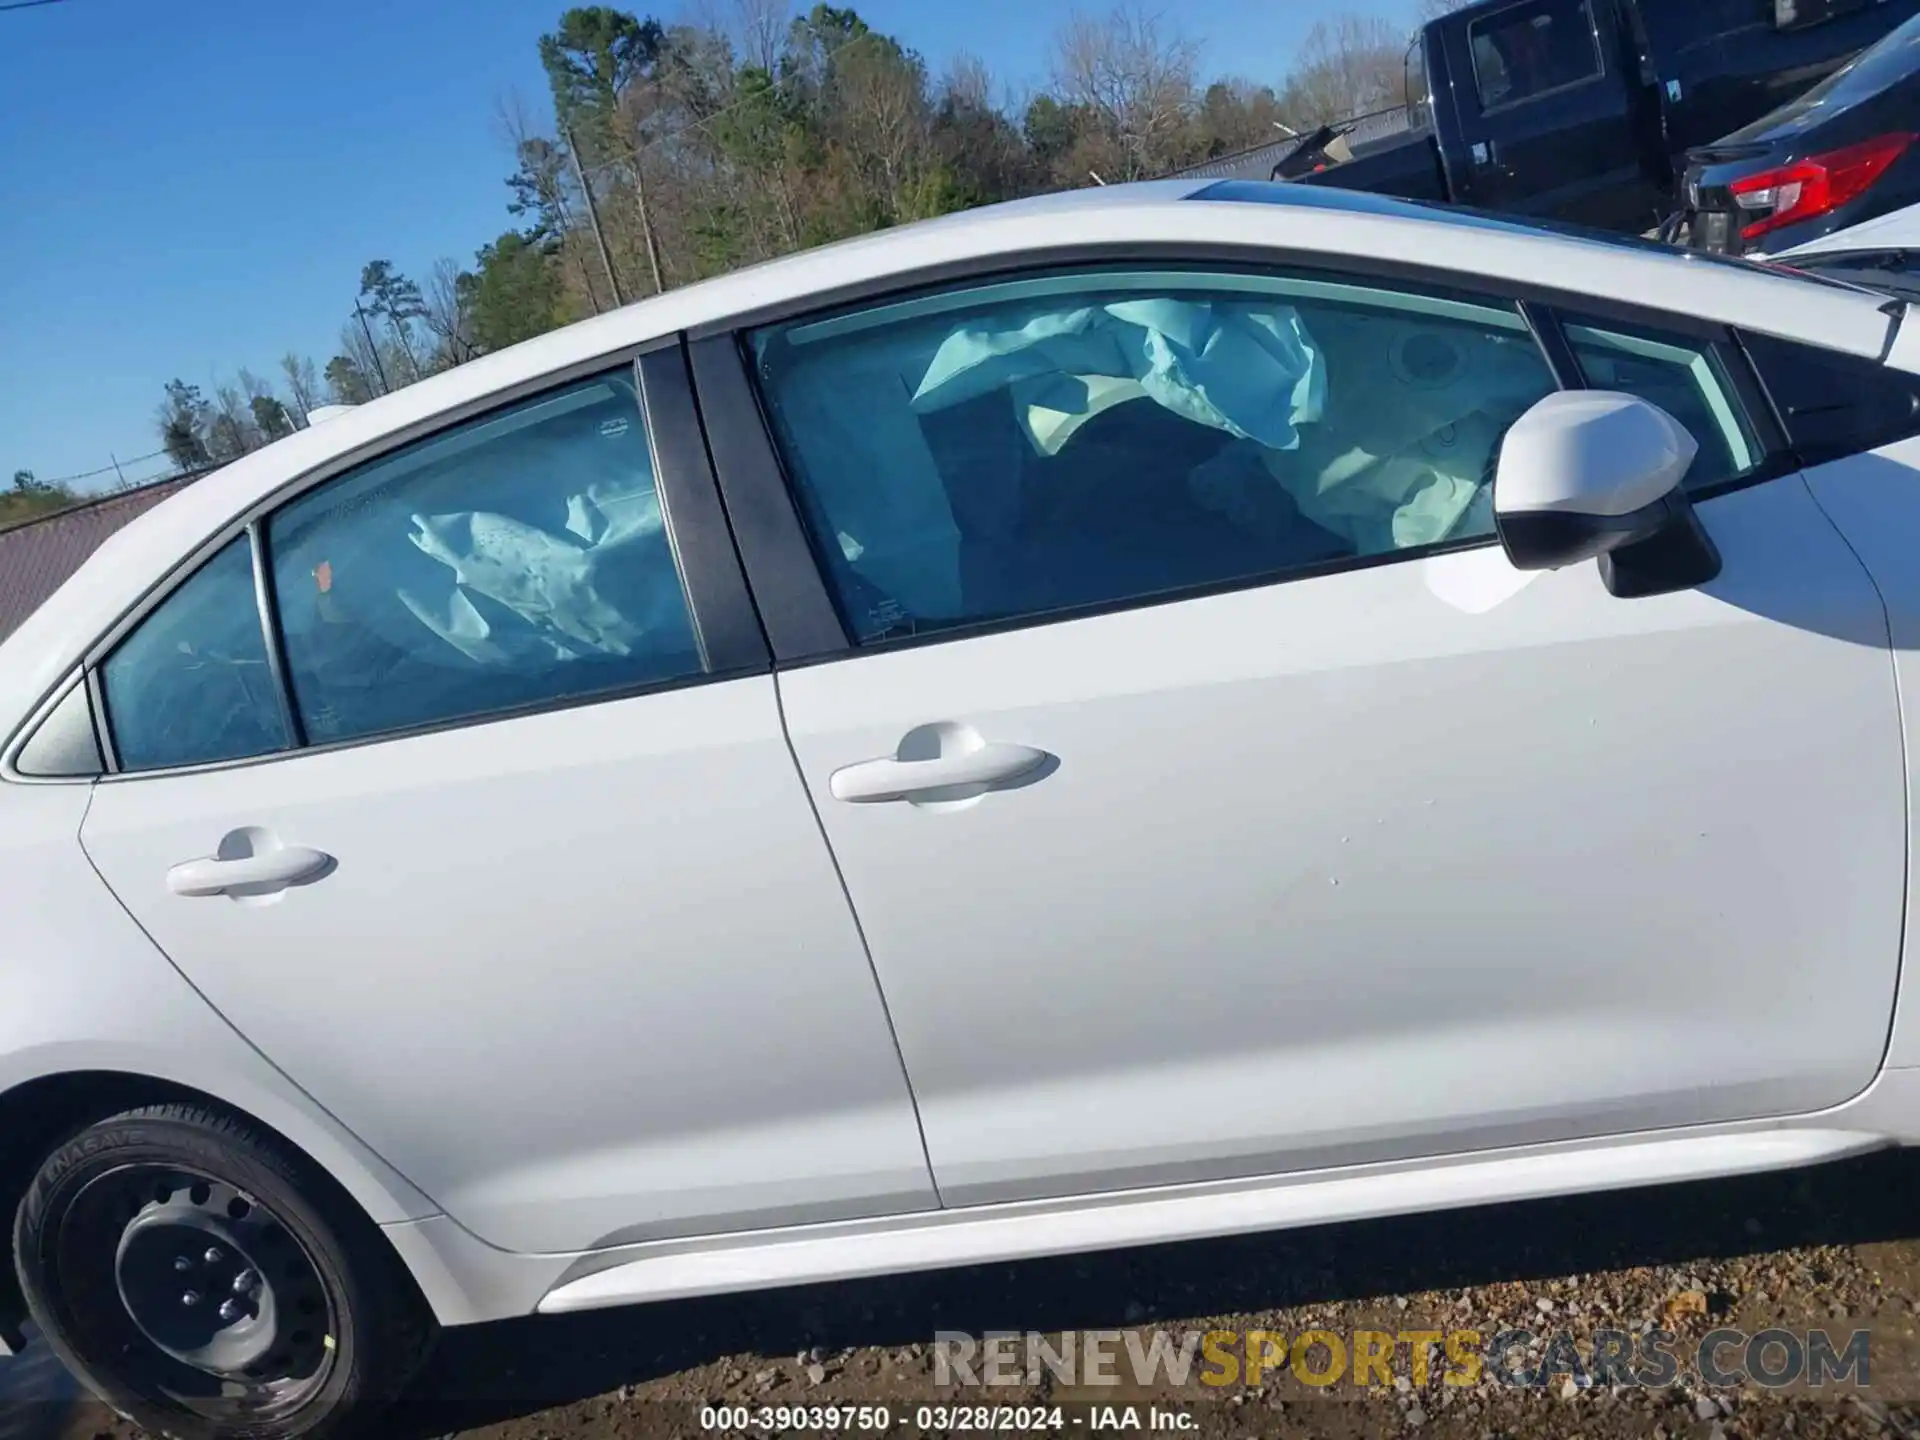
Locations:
column 1835, row 1248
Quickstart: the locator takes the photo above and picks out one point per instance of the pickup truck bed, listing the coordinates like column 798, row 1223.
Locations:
column 1406, row 165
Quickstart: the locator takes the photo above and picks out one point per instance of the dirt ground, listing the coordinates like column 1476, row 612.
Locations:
column 1836, row 1249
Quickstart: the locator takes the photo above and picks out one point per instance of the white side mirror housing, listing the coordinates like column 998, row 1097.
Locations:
column 1591, row 474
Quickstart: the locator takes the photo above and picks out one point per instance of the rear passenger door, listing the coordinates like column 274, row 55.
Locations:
column 1217, row 800
column 493, row 841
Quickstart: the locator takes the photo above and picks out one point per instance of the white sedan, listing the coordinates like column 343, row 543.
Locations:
column 1147, row 713
column 1883, row 253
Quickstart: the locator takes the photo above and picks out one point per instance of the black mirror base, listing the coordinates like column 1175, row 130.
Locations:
column 1679, row 556
column 1654, row 550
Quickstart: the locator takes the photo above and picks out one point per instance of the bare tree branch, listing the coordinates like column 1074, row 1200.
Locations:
column 757, row 29
column 1134, row 76
column 1348, row 65
column 446, row 314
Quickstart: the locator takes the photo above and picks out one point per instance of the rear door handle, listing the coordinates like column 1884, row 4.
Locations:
column 872, row 781
column 258, row 873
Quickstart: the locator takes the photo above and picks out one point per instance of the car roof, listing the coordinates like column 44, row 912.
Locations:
column 1319, row 221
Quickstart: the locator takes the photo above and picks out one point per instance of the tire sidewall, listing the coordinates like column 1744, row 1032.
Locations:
column 163, row 1140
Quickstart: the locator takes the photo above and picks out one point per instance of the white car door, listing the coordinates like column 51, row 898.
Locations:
column 1215, row 797
column 524, row 890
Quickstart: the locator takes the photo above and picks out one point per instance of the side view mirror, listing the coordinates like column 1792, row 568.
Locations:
column 1591, row 474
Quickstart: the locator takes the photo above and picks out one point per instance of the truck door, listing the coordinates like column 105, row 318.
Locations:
column 1546, row 108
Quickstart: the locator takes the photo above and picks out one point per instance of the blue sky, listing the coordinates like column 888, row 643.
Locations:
column 192, row 186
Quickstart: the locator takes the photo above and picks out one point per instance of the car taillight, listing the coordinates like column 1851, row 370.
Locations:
column 1818, row 185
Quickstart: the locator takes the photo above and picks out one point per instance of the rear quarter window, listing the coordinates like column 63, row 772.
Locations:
column 193, row 685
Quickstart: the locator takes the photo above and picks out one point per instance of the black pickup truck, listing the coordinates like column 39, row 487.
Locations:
column 1582, row 110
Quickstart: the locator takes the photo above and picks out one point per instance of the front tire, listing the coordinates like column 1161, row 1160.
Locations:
column 209, row 1283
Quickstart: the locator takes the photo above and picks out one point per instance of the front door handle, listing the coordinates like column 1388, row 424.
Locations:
column 980, row 769
column 258, row 873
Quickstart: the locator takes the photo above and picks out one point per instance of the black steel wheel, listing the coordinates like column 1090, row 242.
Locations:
column 209, row 1284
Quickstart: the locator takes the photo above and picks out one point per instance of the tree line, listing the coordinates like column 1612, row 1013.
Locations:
column 681, row 151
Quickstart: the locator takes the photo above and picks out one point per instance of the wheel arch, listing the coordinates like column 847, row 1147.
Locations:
column 38, row 1114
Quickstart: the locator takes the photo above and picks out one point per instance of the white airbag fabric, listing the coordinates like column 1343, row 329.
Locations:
column 1257, row 374
column 1251, row 373
column 549, row 581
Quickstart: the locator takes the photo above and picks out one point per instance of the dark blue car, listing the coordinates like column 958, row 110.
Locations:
column 1846, row 151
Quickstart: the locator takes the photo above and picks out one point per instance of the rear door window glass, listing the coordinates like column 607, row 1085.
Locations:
column 516, row 560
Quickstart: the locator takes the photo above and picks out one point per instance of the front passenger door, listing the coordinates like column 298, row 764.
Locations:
column 1216, row 799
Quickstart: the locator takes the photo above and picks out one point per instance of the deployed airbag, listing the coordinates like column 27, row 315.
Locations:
column 1250, row 372
column 549, row 582
column 1405, row 465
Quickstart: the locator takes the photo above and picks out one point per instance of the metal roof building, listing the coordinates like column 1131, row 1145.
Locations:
column 37, row 555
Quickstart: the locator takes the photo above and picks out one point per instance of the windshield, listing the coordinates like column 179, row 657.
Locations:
column 1832, row 271
column 1817, row 270
column 1888, row 272
column 1815, row 274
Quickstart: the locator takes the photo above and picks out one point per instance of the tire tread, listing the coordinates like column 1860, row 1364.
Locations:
column 392, row 1329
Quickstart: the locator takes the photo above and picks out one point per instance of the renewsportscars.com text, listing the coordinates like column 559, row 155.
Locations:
column 1519, row 1359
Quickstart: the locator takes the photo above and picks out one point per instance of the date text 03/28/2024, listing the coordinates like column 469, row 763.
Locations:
column 877, row 1419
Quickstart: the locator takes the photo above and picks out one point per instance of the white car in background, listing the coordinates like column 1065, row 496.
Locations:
column 1147, row 713
column 1881, row 253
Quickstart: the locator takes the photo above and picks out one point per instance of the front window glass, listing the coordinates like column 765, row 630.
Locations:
column 1098, row 437
column 1684, row 379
